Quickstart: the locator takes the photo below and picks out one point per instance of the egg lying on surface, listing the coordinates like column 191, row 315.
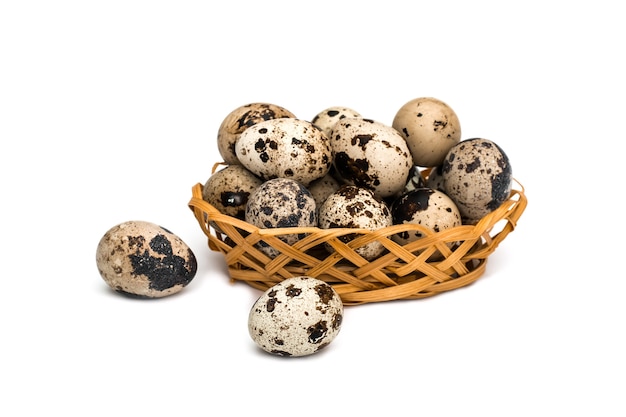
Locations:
column 371, row 155
column 285, row 148
column 430, row 128
column 477, row 176
column 281, row 202
column 296, row 317
column 357, row 208
column 239, row 120
column 143, row 259
column 427, row 207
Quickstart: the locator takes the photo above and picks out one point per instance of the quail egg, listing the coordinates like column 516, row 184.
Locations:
column 278, row 203
column 355, row 207
column 477, row 176
column 298, row 316
column 144, row 260
column 427, row 207
column 228, row 190
column 371, row 155
column 430, row 128
column 326, row 119
column 239, row 120
column 285, row 148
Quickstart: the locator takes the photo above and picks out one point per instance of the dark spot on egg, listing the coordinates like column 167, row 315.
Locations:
column 317, row 332
column 292, row 220
column 280, row 352
column 259, row 145
column 404, row 209
column 325, row 293
column 163, row 272
column 292, row 291
column 361, row 140
column 336, row 321
column 332, row 113
column 472, row 166
column 234, row 199
column 437, row 124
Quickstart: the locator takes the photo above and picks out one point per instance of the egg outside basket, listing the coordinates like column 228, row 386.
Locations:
column 419, row 269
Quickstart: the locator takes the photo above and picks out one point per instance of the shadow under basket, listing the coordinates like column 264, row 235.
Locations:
column 436, row 263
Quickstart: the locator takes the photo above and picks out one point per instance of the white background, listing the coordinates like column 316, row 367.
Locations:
column 109, row 112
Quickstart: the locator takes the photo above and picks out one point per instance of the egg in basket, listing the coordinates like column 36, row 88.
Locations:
column 381, row 212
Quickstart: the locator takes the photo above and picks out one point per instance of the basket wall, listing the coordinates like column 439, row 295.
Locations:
column 419, row 269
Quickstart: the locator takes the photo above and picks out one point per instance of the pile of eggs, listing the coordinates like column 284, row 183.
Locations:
column 342, row 170
column 336, row 170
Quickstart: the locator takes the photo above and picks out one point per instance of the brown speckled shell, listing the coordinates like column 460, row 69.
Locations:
column 285, row 148
column 228, row 190
column 430, row 128
column 371, row 155
column 477, row 176
column 239, row 120
column 328, row 118
column 296, row 317
column 142, row 259
column 355, row 207
column 281, row 202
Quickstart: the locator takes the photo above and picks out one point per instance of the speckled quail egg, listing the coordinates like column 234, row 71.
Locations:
column 228, row 190
column 278, row 203
column 144, row 260
column 285, row 148
column 327, row 118
column 298, row 316
column 355, row 207
column 427, row 207
column 478, row 177
column 430, row 128
column 371, row 155
column 239, row 120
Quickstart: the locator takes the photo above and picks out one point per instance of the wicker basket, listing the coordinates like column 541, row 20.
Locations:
column 402, row 272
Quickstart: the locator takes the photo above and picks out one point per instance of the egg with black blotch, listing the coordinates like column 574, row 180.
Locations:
column 144, row 260
column 477, row 176
column 228, row 190
column 371, row 155
column 358, row 208
column 241, row 118
column 285, row 148
column 298, row 316
column 430, row 208
column 279, row 203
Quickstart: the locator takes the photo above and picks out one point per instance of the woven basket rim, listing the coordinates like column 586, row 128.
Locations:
column 403, row 272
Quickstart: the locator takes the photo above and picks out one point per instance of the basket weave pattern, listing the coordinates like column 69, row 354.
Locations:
column 419, row 269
